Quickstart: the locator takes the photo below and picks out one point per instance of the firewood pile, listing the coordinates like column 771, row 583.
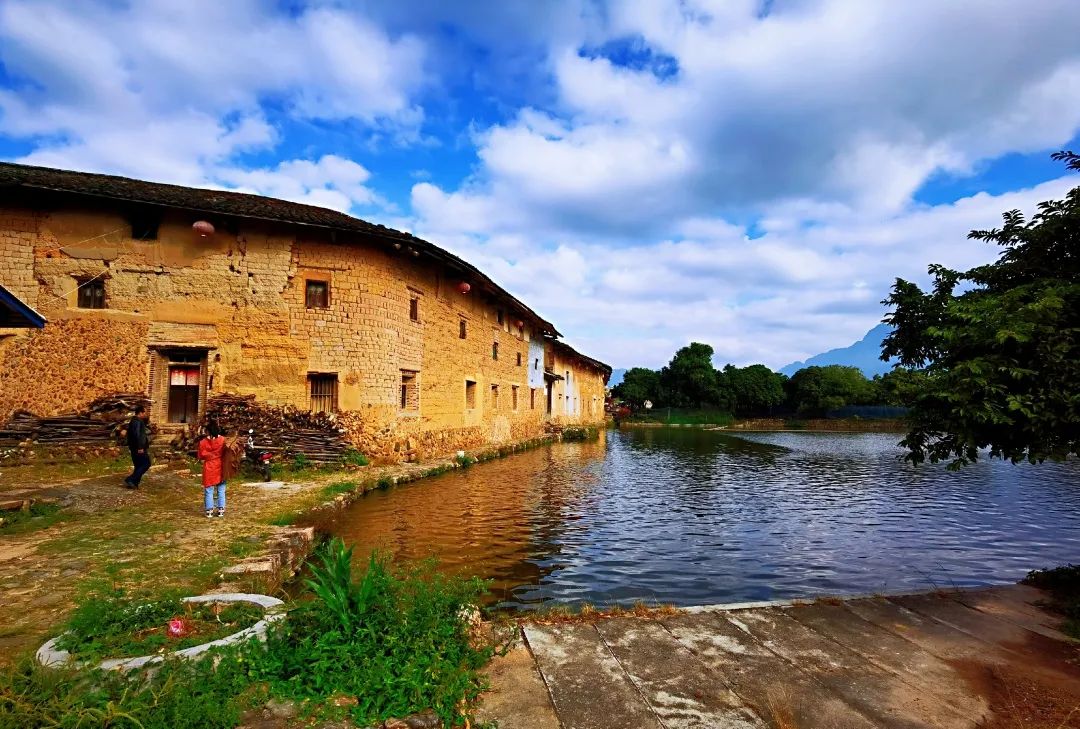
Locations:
column 101, row 422
column 285, row 430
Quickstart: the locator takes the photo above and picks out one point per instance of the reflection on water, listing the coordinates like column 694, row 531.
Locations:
column 696, row 517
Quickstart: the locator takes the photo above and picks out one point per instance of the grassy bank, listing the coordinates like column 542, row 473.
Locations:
column 681, row 416
column 1063, row 586
column 395, row 642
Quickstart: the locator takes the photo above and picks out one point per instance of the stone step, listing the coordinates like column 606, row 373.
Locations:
column 874, row 691
column 589, row 688
column 778, row 691
column 681, row 690
column 1018, row 605
column 931, row 635
column 893, row 653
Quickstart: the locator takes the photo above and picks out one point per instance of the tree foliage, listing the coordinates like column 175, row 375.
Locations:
column 689, row 380
column 753, row 390
column 816, row 390
column 998, row 343
column 638, row 385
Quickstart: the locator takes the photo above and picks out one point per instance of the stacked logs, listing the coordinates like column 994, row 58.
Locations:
column 286, row 430
column 100, row 423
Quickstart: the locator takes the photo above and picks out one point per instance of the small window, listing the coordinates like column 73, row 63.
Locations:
column 462, row 329
column 317, row 295
column 514, row 397
column 470, row 394
column 494, row 350
column 414, row 309
column 144, row 225
column 323, row 391
column 536, row 363
column 532, row 399
column 92, row 294
column 494, row 398
column 519, row 359
column 410, row 395
column 500, row 315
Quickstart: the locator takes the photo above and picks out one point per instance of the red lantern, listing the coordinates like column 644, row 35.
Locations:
column 464, row 287
column 519, row 323
column 203, row 227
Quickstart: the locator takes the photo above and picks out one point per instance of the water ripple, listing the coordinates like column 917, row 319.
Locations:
column 695, row 517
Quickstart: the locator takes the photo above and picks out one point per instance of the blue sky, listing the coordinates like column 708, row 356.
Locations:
column 749, row 174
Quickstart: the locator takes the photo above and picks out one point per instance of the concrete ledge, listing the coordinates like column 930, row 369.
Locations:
column 791, row 602
column 50, row 655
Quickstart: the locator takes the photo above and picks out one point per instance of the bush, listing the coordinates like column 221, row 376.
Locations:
column 579, row 434
column 397, row 640
column 1063, row 584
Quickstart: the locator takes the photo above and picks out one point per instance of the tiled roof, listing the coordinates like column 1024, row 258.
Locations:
column 567, row 350
column 243, row 205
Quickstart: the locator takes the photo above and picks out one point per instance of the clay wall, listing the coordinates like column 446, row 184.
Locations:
column 238, row 300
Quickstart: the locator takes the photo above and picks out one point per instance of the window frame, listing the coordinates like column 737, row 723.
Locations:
column 86, row 285
column 331, row 397
column 495, row 351
column 414, row 308
column 470, row 394
column 463, row 329
column 409, row 401
column 325, row 294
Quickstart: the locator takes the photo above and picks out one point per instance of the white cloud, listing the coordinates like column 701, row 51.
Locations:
column 166, row 89
column 330, row 182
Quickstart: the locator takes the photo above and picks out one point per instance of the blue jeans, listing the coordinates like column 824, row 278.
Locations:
column 208, row 496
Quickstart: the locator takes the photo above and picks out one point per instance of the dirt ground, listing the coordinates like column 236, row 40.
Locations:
column 153, row 537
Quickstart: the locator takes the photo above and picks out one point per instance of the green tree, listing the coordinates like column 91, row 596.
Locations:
column 754, row 390
column 638, row 385
column 999, row 343
column 816, row 390
column 689, row 380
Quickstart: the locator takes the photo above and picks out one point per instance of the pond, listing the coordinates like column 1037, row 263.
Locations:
column 692, row 517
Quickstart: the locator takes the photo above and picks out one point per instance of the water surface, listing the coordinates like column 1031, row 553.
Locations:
column 694, row 517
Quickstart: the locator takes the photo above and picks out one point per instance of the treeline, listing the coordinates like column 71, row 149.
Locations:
column 689, row 380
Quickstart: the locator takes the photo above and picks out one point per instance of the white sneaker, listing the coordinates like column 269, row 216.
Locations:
column 209, row 513
column 220, row 513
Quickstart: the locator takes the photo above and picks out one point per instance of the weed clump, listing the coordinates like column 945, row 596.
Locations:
column 580, row 434
column 353, row 457
column 397, row 640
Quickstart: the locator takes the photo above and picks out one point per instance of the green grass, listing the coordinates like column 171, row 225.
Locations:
column 396, row 639
column 1063, row 584
column 38, row 516
column 353, row 457
column 110, row 623
column 340, row 487
column 684, row 416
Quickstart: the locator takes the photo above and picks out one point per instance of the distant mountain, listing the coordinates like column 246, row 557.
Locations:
column 863, row 354
column 616, row 377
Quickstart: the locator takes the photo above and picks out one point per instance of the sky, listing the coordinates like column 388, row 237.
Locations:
column 753, row 174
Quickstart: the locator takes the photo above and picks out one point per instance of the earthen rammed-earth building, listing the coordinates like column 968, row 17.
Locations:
column 184, row 293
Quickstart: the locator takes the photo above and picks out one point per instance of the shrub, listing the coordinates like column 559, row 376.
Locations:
column 384, row 482
column 397, row 640
column 580, row 434
column 301, row 462
column 1063, row 584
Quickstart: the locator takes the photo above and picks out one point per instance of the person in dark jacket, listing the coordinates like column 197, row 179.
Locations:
column 138, row 439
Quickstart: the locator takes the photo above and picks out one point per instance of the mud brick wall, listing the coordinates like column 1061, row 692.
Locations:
column 238, row 299
column 63, row 367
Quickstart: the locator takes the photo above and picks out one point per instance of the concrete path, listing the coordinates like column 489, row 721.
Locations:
column 986, row 658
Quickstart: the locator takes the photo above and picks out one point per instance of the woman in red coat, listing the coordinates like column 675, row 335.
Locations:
column 211, row 450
